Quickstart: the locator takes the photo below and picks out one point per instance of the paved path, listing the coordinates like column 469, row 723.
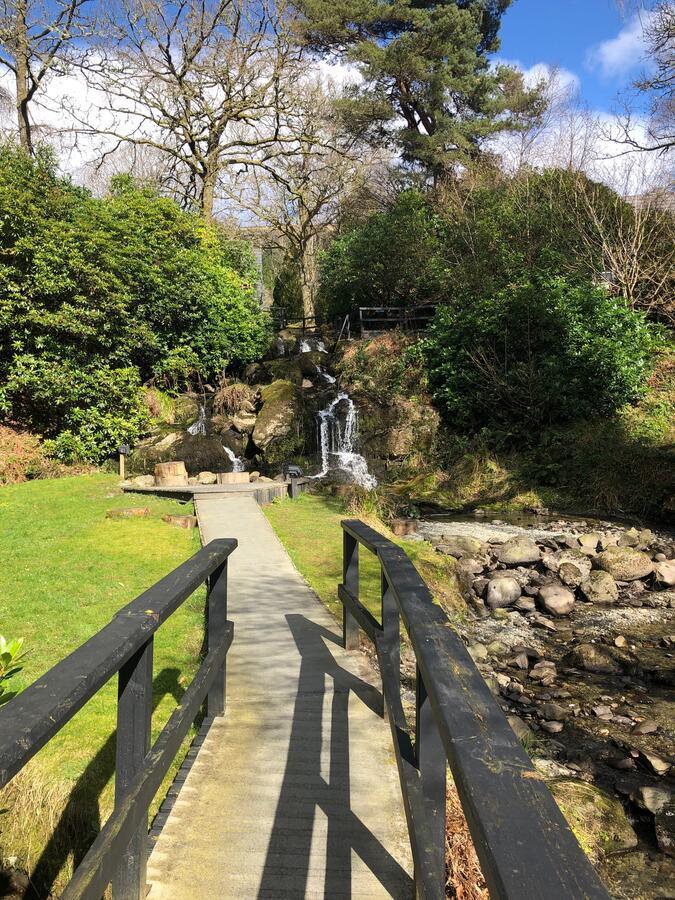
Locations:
column 294, row 792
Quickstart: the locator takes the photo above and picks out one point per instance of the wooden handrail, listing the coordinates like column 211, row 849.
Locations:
column 124, row 647
column 526, row 848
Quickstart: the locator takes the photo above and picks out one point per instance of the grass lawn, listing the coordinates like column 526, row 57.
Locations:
column 66, row 570
column 309, row 529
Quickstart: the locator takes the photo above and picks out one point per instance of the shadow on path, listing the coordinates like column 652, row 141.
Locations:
column 290, row 845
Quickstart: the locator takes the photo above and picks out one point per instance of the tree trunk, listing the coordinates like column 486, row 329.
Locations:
column 308, row 277
column 21, row 79
column 209, row 180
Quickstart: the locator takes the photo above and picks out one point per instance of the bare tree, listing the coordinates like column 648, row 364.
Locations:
column 36, row 38
column 657, row 84
column 202, row 82
column 297, row 193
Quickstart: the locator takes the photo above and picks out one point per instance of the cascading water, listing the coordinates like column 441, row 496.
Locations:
column 337, row 442
column 238, row 464
column 199, row 427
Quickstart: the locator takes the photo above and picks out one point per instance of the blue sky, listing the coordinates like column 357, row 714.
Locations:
column 589, row 38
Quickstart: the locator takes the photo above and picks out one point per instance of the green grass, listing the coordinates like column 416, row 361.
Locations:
column 66, row 571
column 309, row 529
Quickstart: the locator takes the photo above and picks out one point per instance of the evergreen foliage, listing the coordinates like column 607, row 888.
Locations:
column 428, row 86
column 538, row 354
column 98, row 296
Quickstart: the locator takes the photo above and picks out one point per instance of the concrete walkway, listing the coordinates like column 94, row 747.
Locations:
column 294, row 792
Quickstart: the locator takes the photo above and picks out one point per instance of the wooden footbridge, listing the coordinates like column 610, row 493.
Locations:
column 306, row 780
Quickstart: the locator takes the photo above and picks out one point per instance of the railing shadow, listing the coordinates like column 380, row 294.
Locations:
column 290, row 843
column 80, row 821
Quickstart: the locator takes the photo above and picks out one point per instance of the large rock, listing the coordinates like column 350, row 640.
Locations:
column 207, row 478
column 664, row 572
column 600, row 587
column 278, row 415
column 573, row 567
column 244, row 422
column 625, row 563
column 597, row 819
column 518, row 551
column 502, row 592
column 556, row 599
column 601, row 660
column 459, row 545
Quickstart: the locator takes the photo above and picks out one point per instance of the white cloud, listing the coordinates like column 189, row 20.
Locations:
column 623, row 53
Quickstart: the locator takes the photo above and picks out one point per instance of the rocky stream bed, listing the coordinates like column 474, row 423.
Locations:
column 573, row 626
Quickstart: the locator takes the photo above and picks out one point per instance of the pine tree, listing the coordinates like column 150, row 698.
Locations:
column 428, row 86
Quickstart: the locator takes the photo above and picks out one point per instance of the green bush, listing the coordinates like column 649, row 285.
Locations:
column 98, row 296
column 11, row 656
column 535, row 355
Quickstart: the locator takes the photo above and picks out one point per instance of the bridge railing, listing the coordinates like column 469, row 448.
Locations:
column 124, row 647
column 524, row 845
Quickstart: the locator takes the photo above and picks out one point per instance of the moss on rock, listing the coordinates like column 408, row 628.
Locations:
column 598, row 821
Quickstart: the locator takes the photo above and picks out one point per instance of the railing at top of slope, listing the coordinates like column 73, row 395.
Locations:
column 125, row 647
column 525, row 847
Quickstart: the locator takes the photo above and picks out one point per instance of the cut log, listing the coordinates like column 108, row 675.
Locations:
column 181, row 521
column 233, row 478
column 132, row 512
column 171, row 474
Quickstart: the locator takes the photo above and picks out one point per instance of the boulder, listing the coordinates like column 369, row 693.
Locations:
column 278, row 414
column 459, row 545
column 625, row 563
column 664, row 572
column 518, row 551
column 573, row 567
column 244, row 422
column 207, row 478
column 629, row 538
column 597, row 819
column 144, row 480
column 601, row 660
column 556, row 599
column 588, row 543
column 502, row 592
column 309, row 363
column 600, row 587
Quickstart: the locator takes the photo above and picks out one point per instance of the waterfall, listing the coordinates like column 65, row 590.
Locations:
column 325, row 375
column 304, row 347
column 337, row 443
column 238, row 464
column 199, row 427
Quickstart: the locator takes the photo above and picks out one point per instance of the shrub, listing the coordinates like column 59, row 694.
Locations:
column 98, row 296
column 538, row 354
column 10, row 664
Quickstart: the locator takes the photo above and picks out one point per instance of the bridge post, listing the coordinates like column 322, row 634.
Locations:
column 431, row 762
column 295, row 489
column 350, row 579
column 134, row 715
column 215, row 631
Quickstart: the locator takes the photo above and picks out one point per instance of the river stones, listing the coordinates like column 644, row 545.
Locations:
column 625, row 563
column 556, row 599
column 459, row 545
column 573, row 567
column 600, row 587
column 518, row 551
column 502, row 592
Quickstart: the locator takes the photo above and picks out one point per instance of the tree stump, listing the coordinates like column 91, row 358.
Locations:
column 171, row 474
column 233, row 478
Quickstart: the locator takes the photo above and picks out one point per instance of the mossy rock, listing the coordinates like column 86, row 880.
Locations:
column 186, row 409
column 279, row 417
column 598, row 820
column 309, row 362
column 285, row 370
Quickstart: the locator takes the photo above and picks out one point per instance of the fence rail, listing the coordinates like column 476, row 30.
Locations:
column 125, row 647
column 525, row 847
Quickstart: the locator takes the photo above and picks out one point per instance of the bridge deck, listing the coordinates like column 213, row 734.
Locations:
column 294, row 792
